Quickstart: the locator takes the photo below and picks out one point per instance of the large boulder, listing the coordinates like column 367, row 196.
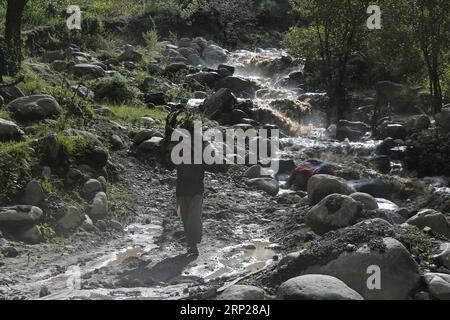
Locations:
column 443, row 119
column 316, row 287
column 241, row 87
column 391, row 130
column 438, row 285
column 443, row 258
column 364, row 257
column 352, row 131
column 418, row 123
column 333, row 212
column 34, row 194
column 88, row 70
column 375, row 187
column 214, row 55
column 92, row 186
column 99, row 208
column 35, row 107
column 131, row 54
column 322, row 185
column 19, row 216
column 368, row 202
column 30, row 235
column 71, row 220
column 9, row 131
column 223, row 101
column 242, row 292
column 268, row 185
column 432, row 219
column 151, row 144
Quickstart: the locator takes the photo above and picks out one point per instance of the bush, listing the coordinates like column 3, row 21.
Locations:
column 115, row 89
column 152, row 44
column 15, row 170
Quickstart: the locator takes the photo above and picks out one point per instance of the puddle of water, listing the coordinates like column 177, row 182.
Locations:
column 129, row 253
column 244, row 258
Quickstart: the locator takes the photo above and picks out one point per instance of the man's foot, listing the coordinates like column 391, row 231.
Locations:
column 192, row 251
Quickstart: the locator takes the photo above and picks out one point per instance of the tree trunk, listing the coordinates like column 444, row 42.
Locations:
column 13, row 39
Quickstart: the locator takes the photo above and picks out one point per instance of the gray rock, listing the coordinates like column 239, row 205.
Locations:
column 34, row 194
column 88, row 70
column 184, row 42
column 418, row 123
column 187, row 51
column 105, row 112
column 10, row 131
column 92, row 186
column 443, row 258
column 220, row 102
column 117, row 142
column 20, row 215
column 253, row 172
column 369, row 202
column 59, row 65
column 242, row 292
column 322, row 185
column 443, row 119
column 131, row 55
column 399, row 272
column 268, row 185
column 316, row 287
column 35, row 107
column 151, row 144
column 194, row 59
column 333, row 212
column 353, row 131
column 200, row 95
column 432, row 219
column 71, row 220
column 214, row 55
column 30, row 235
column 99, row 208
column 438, row 285
column 116, row 225
column 144, row 135
column 103, row 182
column 175, row 68
column 241, row 87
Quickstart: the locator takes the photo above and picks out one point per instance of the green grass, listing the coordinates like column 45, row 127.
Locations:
column 122, row 200
column 51, row 12
column 75, row 145
column 20, row 148
column 5, row 115
column 133, row 113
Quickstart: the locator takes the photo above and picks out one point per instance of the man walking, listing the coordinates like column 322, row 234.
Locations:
column 190, row 185
column 190, row 189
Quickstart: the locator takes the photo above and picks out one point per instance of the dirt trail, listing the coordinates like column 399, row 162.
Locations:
column 147, row 260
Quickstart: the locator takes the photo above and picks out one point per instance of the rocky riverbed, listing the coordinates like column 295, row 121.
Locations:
column 372, row 207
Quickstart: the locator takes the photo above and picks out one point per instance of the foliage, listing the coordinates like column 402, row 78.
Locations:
column 134, row 113
column 335, row 31
column 121, row 199
column 74, row 145
column 15, row 170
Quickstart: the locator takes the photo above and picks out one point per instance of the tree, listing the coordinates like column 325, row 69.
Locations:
column 431, row 18
column 13, row 39
column 336, row 29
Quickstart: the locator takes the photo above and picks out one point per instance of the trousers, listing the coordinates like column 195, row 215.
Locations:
column 189, row 209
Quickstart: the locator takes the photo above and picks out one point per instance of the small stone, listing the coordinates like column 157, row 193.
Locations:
column 45, row 291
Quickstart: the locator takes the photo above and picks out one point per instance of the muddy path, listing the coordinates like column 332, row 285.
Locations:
column 146, row 260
